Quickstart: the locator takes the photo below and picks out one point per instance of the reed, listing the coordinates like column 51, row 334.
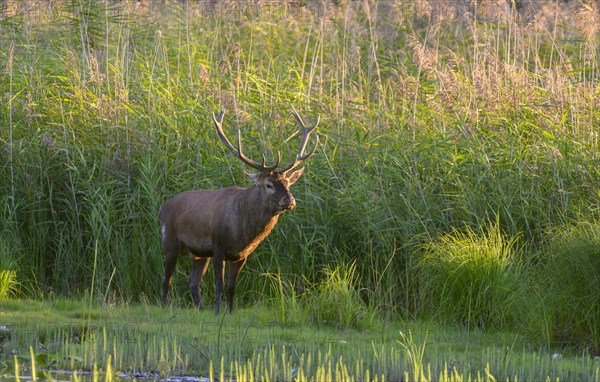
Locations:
column 437, row 118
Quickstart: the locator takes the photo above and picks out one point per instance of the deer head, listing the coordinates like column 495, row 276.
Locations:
column 273, row 184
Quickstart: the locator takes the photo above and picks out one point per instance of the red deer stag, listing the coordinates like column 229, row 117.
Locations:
column 229, row 223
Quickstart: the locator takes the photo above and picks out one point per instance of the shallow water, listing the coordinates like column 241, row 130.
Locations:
column 68, row 376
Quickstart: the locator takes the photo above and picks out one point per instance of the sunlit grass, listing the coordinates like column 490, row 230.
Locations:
column 475, row 279
column 124, row 341
column 8, row 284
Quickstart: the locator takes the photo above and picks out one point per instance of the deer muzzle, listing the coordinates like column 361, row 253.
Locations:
column 287, row 203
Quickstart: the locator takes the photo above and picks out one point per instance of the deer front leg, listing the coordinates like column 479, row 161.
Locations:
column 219, row 265
column 234, row 269
column 199, row 267
column 171, row 250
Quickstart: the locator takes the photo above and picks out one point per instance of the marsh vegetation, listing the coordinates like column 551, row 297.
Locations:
column 456, row 181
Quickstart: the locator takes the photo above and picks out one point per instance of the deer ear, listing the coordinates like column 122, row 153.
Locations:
column 295, row 176
column 253, row 177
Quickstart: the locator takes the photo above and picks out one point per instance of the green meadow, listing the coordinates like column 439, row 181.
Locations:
column 70, row 339
column 447, row 228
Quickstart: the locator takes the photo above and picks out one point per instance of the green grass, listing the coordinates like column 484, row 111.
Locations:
column 475, row 279
column 8, row 284
column 435, row 121
column 117, row 340
column 570, row 277
column 335, row 299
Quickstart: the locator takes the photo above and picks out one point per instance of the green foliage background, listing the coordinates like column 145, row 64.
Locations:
column 437, row 118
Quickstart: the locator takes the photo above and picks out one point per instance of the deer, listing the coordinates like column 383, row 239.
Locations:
column 228, row 224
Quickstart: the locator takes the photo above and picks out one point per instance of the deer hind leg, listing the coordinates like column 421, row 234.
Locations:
column 219, row 266
column 199, row 267
column 171, row 249
column 234, row 270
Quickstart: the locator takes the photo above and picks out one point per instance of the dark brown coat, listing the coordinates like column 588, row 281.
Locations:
column 226, row 224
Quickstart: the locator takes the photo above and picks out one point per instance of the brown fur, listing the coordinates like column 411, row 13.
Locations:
column 226, row 224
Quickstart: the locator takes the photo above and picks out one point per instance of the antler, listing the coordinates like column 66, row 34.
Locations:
column 260, row 167
column 300, row 157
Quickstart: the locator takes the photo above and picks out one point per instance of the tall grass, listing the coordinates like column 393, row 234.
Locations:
column 475, row 279
column 333, row 299
column 8, row 283
column 570, row 274
column 436, row 116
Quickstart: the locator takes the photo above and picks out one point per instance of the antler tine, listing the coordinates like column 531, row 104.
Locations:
column 239, row 153
column 306, row 131
column 300, row 157
column 273, row 167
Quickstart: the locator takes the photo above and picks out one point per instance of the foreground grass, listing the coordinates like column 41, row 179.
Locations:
column 160, row 342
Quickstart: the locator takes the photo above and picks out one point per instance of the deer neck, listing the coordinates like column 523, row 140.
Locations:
column 261, row 211
column 257, row 220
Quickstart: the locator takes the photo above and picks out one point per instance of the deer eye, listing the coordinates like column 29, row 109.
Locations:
column 269, row 186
